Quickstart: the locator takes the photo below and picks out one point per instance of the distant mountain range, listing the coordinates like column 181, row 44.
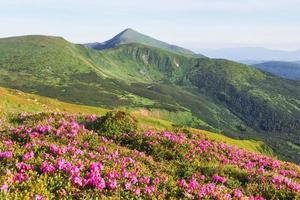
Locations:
column 214, row 94
column 252, row 54
column 288, row 70
column 284, row 64
column 130, row 36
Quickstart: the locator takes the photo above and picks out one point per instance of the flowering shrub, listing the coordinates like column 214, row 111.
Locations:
column 113, row 123
column 55, row 156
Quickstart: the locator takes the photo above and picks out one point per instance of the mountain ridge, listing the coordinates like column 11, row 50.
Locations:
column 129, row 35
column 288, row 70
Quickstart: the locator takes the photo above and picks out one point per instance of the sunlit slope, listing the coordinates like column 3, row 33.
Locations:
column 13, row 102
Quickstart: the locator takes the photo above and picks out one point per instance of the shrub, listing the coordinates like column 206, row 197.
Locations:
column 114, row 123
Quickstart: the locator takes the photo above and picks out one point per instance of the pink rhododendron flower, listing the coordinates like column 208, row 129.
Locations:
column 193, row 184
column 22, row 167
column 182, row 183
column 148, row 190
column 20, row 177
column 145, row 180
column 137, row 191
column 6, row 154
column 8, row 142
column 76, row 180
column 112, row 184
column 43, row 128
column 55, row 149
column 100, row 185
column 256, row 198
column 28, row 156
column 218, row 179
column 4, row 187
column 156, row 181
column 60, row 164
column 47, row 167
column 38, row 197
column 127, row 185
column 237, row 193
column 90, row 118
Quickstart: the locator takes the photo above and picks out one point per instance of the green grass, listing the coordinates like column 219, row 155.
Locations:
column 14, row 102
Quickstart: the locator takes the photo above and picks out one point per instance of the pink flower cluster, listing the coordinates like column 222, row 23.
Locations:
column 281, row 182
column 43, row 128
column 68, row 128
column 6, row 154
column 47, row 167
column 96, row 177
column 195, row 188
column 28, row 156
column 218, row 179
column 202, row 149
column 178, row 138
column 90, row 118
column 60, row 148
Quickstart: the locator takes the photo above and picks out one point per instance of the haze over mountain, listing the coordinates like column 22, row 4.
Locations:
column 289, row 70
column 214, row 94
column 252, row 55
column 129, row 36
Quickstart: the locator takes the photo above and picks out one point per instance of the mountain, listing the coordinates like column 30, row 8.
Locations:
column 129, row 36
column 213, row 94
column 288, row 70
column 252, row 54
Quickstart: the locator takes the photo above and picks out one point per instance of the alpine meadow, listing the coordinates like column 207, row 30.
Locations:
column 135, row 117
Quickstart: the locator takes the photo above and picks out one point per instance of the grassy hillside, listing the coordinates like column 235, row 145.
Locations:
column 216, row 95
column 288, row 70
column 14, row 102
column 59, row 156
column 230, row 91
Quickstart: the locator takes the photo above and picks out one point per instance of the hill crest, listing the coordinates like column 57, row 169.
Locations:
column 129, row 36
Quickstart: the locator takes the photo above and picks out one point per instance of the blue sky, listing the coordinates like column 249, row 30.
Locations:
column 194, row 24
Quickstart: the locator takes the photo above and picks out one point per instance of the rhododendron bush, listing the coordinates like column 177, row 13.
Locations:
column 54, row 155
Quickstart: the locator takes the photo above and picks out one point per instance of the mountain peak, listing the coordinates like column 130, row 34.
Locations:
column 128, row 30
column 129, row 36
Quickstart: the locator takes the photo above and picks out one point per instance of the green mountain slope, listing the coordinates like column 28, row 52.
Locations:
column 129, row 36
column 217, row 95
column 13, row 102
column 288, row 70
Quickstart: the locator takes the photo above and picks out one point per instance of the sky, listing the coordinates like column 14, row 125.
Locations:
column 194, row 24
